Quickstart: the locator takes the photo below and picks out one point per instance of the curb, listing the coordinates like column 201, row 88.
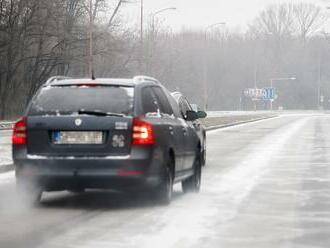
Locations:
column 10, row 167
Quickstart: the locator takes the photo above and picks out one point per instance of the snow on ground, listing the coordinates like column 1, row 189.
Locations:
column 190, row 219
column 231, row 188
column 6, row 178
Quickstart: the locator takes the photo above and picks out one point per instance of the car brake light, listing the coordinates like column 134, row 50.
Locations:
column 142, row 133
column 19, row 132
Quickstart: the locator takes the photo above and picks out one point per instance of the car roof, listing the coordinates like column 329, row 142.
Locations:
column 177, row 95
column 129, row 82
column 102, row 81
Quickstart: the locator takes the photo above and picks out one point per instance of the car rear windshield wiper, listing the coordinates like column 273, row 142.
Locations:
column 98, row 113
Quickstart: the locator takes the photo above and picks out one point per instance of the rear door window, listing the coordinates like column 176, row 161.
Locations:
column 165, row 106
column 149, row 101
column 71, row 99
column 184, row 107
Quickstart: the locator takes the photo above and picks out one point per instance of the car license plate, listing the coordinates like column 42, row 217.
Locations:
column 79, row 138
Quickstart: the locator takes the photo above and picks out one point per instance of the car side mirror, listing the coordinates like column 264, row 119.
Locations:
column 201, row 114
column 191, row 115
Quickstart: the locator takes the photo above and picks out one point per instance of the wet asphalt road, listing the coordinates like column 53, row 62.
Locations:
column 266, row 184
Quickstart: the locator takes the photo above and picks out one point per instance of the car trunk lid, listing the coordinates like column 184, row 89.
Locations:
column 79, row 135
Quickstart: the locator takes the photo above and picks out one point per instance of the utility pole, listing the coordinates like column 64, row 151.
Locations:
column 271, row 100
column 141, row 36
column 319, row 78
column 141, row 27
column 255, row 84
column 90, row 32
column 272, row 80
column 152, row 45
column 205, row 69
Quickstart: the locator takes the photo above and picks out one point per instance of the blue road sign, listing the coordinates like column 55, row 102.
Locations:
column 268, row 93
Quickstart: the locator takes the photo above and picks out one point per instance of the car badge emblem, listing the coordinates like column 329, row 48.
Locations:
column 78, row 122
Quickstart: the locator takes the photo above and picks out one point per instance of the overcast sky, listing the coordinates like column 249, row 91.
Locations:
column 200, row 13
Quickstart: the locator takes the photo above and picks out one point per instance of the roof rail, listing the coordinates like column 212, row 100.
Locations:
column 55, row 78
column 138, row 79
column 176, row 93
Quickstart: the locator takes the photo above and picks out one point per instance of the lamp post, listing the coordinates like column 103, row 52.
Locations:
column 152, row 43
column 157, row 13
column 205, row 77
column 140, row 60
column 272, row 80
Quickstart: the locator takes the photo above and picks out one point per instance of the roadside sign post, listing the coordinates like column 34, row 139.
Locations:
column 271, row 86
column 269, row 95
column 264, row 94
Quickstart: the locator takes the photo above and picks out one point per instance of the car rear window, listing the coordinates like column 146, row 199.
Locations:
column 71, row 99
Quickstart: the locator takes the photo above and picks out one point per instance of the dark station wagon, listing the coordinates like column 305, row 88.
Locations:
column 122, row 134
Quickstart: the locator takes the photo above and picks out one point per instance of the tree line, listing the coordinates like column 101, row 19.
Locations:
column 42, row 38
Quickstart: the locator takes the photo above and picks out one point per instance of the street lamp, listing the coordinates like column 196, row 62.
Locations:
column 272, row 80
column 152, row 41
column 205, row 65
column 213, row 25
column 157, row 13
column 142, row 28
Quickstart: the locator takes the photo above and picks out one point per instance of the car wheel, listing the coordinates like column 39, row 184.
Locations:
column 193, row 183
column 28, row 191
column 165, row 189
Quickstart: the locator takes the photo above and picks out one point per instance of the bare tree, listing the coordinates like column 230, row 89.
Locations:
column 308, row 19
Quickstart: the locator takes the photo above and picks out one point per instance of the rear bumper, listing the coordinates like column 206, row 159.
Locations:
column 141, row 169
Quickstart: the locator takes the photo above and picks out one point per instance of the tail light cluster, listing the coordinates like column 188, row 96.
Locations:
column 142, row 133
column 19, row 132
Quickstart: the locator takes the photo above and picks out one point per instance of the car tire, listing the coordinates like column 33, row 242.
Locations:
column 163, row 194
column 204, row 157
column 193, row 183
column 29, row 191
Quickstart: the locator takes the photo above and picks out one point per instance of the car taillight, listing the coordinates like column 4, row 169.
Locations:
column 142, row 133
column 19, row 132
